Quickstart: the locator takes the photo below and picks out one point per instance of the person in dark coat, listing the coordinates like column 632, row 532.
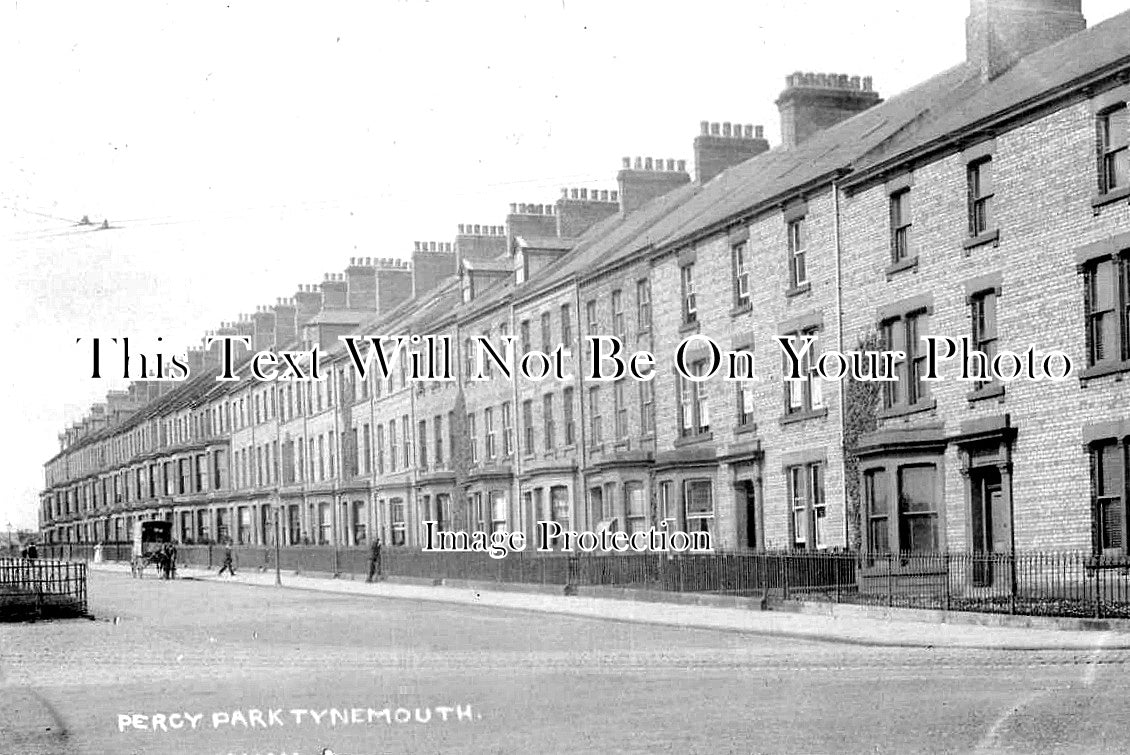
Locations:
column 375, row 560
column 229, row 564
column 32, row 551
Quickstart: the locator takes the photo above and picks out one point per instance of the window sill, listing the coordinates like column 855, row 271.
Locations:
column 990, row 390
column 988, row 237
column 1109, row 197
column 902, row 411
column 910, row 263
column 797, row 290
column 741, row 309
column 790, row 419
column 690, row 440
column 747, row 428
column 1105, row 368
column 688, row 327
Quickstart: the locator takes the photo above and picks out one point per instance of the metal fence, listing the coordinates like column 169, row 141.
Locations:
column 35, row 588
column 1031, row 583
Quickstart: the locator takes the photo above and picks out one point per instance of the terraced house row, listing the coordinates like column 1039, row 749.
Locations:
column 991, row 202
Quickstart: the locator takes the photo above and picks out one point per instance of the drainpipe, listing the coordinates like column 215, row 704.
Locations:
column 840, row 347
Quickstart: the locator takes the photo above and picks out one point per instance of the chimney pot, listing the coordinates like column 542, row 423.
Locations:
column 639, row 163
column 513, row 208
column 604, row 195
column 478, row 230
column 704, row 127
column 758, row 132
column 682, row 165
column 584, row 193
column 714, row 129
column 627, row 162
column 564, row 193
column 748, row 130
column 614, row 196
column 867, row 83
column 670, row 164
column 369, row 261
column 726, row 129
column 647, row 163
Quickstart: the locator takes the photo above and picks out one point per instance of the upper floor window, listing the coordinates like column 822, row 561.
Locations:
column 618, row 328
column 528, row 426
column 900, row 225
column 597, row 428
column 621, row 401
column 806, row 393
column 980, row 194
column 903, row 334
column 647, row 407
column 567, row 415
column 740, row 254
column 1107, row 308
column 1114, row 154
column 507, row 430
column 546, row 338
column 547, row 421
column 566, row 325
column 983, row 313
column 524, row 335
column 472, row 438
column 798, row 268
column 488, row 422
column 690, row 305
column 643, row 304
column 590, row 318
column 694, row 408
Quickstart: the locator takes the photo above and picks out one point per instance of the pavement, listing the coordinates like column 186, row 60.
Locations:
column 348, row 667
column 876, row 629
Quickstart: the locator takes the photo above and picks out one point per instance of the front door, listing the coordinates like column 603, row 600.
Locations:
column 746, row 492
column 989, row 522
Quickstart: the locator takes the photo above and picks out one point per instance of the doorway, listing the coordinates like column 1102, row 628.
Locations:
column 989, row 523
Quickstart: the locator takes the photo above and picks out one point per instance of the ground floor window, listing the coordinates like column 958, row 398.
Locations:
column 635, row 502
column 918, row 508
column 699, row 498
column 1109, row 492
column 808, row 505
column 325, row 524
column 443, row 511
column 223, row 525
column 497, row 510
column 902, row 508
column 294, row 523
column 397, row 520
column 360, row 527
column 559, row 505
column 596, row 503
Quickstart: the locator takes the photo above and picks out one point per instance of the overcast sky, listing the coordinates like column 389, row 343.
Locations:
column 246, row 148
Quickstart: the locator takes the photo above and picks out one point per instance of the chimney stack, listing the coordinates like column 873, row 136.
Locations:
column 647, row 180
column 713, row 154
column 813, row 102
column 1000, row 32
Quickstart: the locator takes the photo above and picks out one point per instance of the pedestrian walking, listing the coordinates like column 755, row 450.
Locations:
column 375, row 560
column 228, row 564
column 32, row 551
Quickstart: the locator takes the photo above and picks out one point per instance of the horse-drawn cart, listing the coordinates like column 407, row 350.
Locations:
column 150, row 539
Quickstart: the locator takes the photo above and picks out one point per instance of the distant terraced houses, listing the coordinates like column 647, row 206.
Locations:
column 991, row 201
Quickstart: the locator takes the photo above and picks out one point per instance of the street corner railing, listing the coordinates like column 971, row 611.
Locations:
column 42, row 588
column 1038, row 583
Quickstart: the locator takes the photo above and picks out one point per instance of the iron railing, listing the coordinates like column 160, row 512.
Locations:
column 38, row 588
column 1031, row 583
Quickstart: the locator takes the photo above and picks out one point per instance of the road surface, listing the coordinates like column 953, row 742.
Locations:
column 217, row 668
